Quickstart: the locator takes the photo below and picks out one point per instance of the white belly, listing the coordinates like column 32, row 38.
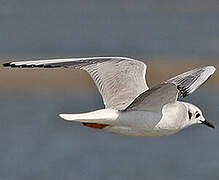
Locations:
column 131, row 123
column 138, row 123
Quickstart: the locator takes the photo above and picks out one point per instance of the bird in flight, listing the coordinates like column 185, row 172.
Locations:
column 131, row 108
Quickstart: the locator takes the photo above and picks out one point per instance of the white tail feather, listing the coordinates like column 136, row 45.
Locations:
column 99, row 116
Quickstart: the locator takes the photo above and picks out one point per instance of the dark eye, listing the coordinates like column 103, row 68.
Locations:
column 190, row 114
column 197, row 115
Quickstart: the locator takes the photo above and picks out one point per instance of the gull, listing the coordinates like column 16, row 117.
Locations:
column 131, row 108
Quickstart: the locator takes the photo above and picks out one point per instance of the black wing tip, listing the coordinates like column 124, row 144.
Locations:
column 7, row 64
column 10, row 65
column 17, row 66
column 28, row 66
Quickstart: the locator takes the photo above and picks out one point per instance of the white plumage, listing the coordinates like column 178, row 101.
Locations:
column 131, row 108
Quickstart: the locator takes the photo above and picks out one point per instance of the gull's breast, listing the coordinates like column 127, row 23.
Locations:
column 136, row 123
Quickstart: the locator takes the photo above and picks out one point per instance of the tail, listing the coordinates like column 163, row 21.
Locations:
column 95, row 119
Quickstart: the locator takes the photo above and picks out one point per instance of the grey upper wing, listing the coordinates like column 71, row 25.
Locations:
column 155, row 98
column 189, row 81
column 119, row 79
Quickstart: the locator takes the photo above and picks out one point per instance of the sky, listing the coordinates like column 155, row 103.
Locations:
column 152, row 28
column 37, row 144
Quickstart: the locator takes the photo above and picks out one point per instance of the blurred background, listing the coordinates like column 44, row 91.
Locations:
column 169, row 36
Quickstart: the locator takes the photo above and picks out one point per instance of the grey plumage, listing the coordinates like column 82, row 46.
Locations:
column 121, row 80
column 189, row 81
column 155, row 98
column 118, row 79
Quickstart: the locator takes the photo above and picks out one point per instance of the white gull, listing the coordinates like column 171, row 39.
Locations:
column 131, row 108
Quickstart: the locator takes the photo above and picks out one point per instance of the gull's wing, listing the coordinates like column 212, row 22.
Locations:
column 189, row 81
column 155, row 98
column 119, row 79
column 184, row 84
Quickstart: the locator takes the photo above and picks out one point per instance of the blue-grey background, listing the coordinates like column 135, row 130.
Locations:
column 37, row 144
column 145, row 28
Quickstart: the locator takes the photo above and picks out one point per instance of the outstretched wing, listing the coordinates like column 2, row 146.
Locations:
column 119, row 79
column 155, row 98
column 184, row 84
column 189, row 81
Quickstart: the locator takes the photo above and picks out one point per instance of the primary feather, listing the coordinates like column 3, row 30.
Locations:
column 121, row 80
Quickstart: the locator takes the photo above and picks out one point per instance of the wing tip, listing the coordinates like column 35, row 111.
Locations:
column 7, row 64
column 211, row 69
column 11, row 64
column 15, row 65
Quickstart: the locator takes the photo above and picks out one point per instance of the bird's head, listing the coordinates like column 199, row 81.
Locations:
column 195, row 116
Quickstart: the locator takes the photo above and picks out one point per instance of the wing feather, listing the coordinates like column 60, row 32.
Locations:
column 119, row 79
column 189, row 81
column 184, row 84
column 155, row 98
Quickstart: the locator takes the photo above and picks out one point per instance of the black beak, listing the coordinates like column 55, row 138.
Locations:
column 207, row 124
